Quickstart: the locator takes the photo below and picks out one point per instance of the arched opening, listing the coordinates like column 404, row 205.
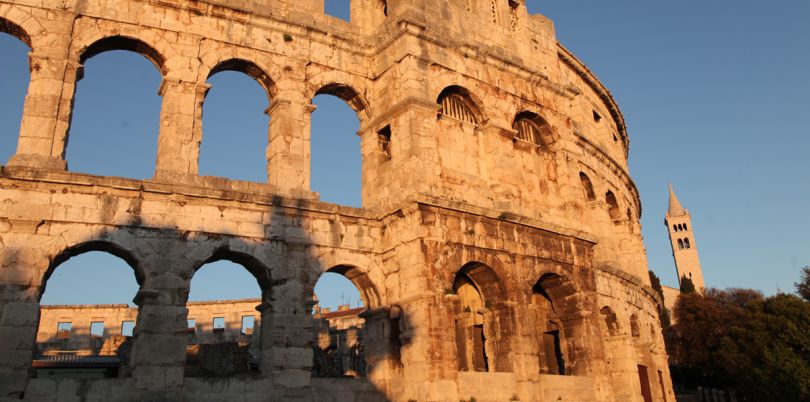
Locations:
column 551, row 356
column 14, row 78
column 613, row 205
column 680, row 244
column 533, row 129
column 87, row 314
column 559, row 326
column 456, row 103
column 482, row 325
column 235, row 123
column 685, row 227
column 336, row 161
column 115, row 119
column 686, row 243
column 635, row 328
column 223, row 322
column 340, row 332
column 587, row 187
column 611, row 322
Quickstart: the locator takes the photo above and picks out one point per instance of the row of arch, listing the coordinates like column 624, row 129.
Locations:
column 484, row 320
column 680, row 227
column 610, row 199
column 455, row 101
column 684, row 244
column 458, row 103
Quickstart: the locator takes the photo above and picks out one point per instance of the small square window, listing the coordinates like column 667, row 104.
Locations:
column 127, row 328
column 248, row 323
column 219, row 324
column 192, row 323
column 97, row 329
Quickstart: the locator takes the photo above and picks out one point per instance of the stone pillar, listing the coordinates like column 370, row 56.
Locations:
column 46, row 114
column 159, row 347
column 19, row 317
column 288, row 147
column 286, row 338
column 265, row 338
column 381, row 344
column 180, row 129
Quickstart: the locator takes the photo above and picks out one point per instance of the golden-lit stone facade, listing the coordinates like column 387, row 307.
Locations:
column 498, row 250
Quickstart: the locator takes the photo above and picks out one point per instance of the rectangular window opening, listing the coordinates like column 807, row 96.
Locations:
column 384, row 136
column 127, row 328
column 219, row 324
column 63, row 329
column 97, row 329
column 338, row 9
column 248, row 323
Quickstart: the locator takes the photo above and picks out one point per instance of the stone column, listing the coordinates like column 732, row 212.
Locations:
column 288, row 147
column 180, row 129
column 46, row 114
column 265, row 338
column 159, row 348
column 19, row 317
column 381, row 344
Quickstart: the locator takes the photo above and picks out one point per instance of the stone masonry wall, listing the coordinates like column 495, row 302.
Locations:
column 476, row 238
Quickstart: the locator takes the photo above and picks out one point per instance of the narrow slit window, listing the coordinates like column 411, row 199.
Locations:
column 596, row 116
column 384, row 137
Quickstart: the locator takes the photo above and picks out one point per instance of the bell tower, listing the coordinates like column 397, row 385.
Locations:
column 682, row 239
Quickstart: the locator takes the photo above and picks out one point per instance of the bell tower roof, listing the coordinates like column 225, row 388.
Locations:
column 675, row 208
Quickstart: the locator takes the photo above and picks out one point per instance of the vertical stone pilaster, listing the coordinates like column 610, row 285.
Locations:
column 180, row 129
column 159, row 348
column 288, row 147
column 46, row 114
column 19, row 317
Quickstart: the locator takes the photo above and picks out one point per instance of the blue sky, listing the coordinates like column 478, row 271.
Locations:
column 714, row 94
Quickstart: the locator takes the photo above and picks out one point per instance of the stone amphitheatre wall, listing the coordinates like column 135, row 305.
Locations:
column 542, row 225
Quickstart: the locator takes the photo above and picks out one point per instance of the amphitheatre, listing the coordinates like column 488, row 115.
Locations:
column 497, row 250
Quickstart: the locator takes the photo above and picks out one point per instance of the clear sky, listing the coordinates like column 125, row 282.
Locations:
column 714, row 94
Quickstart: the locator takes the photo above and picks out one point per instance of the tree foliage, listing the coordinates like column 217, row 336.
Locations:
column 687, row 286
column 803, row 286
column 663, row 313
column 738, row 338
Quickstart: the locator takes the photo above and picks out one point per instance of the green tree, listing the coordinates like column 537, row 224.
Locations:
column 803, row 285
column 738, row 338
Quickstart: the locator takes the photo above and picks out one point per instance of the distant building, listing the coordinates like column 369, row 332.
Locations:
column 684, row 249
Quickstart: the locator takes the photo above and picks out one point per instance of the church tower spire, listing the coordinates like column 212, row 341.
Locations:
column 682, row 239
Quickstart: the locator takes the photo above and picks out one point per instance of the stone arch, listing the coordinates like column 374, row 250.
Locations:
column 482, row 319
column 253, row 265
column 610, row 319
column 533, row 128
column 587, row 186
column 123, row 42
column 362, row 281
column 105, row 246
column 458, row 101
column 344, row 87
column 248, row 68
column 562, row 327
column 613, row 205
column 16, row 31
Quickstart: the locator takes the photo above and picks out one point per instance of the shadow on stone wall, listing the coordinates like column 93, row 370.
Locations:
column 165, row 259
